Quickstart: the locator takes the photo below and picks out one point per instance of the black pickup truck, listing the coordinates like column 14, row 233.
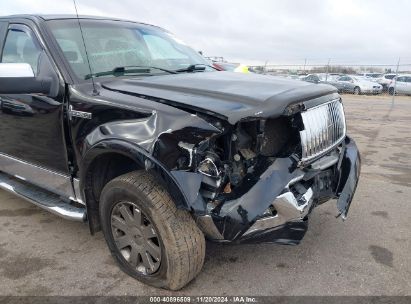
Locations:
column 121, row 125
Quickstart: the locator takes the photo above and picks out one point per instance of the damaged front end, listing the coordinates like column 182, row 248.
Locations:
column 259, row 180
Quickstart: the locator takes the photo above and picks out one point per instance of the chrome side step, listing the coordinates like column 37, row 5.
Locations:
column 42, row 198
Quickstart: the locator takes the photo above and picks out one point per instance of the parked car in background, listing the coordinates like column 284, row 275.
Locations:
column 357, row 85
column 313, row 78
column 232, row 67
column 372, row 76
column 325, row 77
column 242, row 68
column 225, row 66
column 401, row 85
column 386, row 80
column 332, row 80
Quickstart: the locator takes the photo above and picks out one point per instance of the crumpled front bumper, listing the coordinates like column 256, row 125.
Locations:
column 242, row 220
column 349, row 168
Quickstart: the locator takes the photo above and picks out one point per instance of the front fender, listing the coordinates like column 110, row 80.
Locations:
column 143, row 160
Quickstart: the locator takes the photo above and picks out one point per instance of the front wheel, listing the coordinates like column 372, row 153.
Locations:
column 391, row 91
column 357, row 91
column 150, row 238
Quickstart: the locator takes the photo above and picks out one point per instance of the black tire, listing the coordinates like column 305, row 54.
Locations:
column 391, row 91
column 357, row 91
column 181, row 242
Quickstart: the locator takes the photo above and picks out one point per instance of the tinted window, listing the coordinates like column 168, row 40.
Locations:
column 408, row 79
column 20, row 47
column 401, row 79
column 389, row 76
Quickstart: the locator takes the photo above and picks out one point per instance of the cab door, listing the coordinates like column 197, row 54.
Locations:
column 32, row 144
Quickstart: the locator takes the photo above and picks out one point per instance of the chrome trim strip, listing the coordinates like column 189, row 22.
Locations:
column 54, row 182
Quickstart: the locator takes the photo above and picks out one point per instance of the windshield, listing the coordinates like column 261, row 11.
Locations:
column 116, row 44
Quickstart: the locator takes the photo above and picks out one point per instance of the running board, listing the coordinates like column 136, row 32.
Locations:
column 42, row 198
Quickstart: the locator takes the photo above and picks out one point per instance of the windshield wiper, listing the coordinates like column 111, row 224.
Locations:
column 135, row 69
column 193, row 68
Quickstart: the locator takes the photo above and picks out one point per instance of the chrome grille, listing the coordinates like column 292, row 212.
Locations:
column 324, row 128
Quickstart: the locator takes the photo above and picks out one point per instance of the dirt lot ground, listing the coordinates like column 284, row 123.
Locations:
column 369, row 254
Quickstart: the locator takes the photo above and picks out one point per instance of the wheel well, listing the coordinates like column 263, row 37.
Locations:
column 103, row 169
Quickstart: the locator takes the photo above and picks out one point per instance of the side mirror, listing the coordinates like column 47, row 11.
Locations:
column 19, row 78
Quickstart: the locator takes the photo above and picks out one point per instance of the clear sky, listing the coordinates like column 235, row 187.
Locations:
column 347, row 31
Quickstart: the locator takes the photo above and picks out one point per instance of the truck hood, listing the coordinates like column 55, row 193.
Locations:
column 234, row 96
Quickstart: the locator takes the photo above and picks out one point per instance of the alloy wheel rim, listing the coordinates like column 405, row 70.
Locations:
column 136, row 238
